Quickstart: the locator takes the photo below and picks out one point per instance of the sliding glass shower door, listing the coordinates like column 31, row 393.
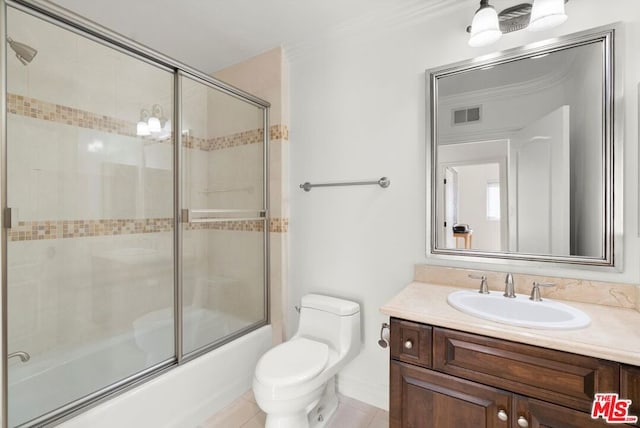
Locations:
column 224, row 215
column 90, row 247
column 135, row 214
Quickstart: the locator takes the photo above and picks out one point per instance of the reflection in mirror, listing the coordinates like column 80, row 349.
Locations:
column 521, row 154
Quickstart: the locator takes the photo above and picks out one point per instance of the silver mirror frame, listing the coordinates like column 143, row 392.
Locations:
column 612, row 149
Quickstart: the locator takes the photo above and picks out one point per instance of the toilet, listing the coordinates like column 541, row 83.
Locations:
column 294, row 382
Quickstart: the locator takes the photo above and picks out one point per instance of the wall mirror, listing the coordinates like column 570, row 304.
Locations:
column 522, row 153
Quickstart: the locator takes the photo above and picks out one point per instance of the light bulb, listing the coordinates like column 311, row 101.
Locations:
column 142, row 129
column 154, row 124
column 485, row 27
column 165, row 134
column 546, row 14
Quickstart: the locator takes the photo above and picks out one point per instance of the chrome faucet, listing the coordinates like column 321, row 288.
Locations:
column 535, row 291
column 24, row 357
column 484, row 287
column 508, row 287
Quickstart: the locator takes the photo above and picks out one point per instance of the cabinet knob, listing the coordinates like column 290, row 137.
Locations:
column 522, row 422
column 408, row 344
column 502, row 415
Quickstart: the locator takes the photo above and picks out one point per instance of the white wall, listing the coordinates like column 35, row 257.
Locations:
column 358, row 111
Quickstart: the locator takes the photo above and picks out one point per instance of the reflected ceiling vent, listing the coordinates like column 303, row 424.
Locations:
column 466, row 115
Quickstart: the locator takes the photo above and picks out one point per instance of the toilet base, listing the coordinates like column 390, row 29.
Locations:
column 290, row 421
column 317, row 415
column 322, row 412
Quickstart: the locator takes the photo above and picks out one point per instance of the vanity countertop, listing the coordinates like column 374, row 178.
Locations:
column 614, row 333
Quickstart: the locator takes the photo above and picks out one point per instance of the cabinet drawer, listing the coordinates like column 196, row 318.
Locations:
column 558, row 377
column 630, row 388
column 411, row 342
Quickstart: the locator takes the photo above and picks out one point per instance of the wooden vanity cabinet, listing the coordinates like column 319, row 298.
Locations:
column 630, row 388
column 473, row 381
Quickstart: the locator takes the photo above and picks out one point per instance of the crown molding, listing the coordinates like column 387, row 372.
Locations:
column 529, row 87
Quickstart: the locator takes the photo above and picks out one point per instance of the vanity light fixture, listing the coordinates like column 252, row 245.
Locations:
column 154, row 120
column 485, row 27
column 154, row 124
column 142, row 129
column 488, row 26
column 546, row 14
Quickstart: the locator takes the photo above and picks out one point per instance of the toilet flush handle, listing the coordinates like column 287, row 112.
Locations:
column 297, row 308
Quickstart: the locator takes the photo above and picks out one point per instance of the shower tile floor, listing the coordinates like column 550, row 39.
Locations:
column 245, row 413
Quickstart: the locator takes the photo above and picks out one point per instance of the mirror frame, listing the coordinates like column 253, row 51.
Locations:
column 611, row 137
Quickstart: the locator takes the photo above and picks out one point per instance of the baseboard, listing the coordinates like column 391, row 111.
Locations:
column 373, row 394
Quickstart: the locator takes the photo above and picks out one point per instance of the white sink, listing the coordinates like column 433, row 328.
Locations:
column 520, row 312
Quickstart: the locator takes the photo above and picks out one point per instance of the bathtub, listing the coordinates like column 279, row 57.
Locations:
column 154, row 331
column 182, row 397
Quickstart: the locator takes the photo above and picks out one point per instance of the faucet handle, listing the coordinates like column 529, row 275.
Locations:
column 484, row 287
column 535, row 291
column 509, row 288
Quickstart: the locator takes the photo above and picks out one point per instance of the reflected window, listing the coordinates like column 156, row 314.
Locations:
column 493, row 200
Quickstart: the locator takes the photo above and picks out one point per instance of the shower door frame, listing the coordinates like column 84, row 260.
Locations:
column 63, row 18
column 181, row 220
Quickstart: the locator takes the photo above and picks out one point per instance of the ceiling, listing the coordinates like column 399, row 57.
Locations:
column 212, row 34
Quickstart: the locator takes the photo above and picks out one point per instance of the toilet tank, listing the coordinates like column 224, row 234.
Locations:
column 330, row 320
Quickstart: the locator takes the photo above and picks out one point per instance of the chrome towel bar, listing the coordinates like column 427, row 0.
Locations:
column 383, row 182
column 217, row 215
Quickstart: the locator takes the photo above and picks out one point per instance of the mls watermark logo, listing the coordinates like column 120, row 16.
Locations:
column 612, row 409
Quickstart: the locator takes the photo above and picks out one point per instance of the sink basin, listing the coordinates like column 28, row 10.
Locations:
column 520, row 312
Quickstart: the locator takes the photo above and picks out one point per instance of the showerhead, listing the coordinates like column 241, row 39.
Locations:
column 24, row 53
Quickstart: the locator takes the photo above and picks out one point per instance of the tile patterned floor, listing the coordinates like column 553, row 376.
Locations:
column 245, row 413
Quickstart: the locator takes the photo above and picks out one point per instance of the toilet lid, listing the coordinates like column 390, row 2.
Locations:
column 291, row 362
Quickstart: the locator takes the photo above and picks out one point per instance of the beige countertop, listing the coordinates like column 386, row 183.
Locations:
column 614, row 333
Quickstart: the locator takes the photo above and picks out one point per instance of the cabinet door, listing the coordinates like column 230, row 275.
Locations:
column 630, row 388
column 533, row 413
column 422, row 398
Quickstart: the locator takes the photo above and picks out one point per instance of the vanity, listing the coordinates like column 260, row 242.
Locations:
column 524, row 152
column 450, row 369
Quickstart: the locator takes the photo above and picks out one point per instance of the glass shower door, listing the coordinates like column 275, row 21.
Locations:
column 224, row 226
column 90, row 248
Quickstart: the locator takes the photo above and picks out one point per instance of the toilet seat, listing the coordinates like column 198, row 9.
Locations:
column 291, row 362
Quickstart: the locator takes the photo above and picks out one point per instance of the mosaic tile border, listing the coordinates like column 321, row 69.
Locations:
column 63, row 229
column 38, row 109
column 279, row 132
column 52, row 229
column 254, row 136
column 279, row 225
